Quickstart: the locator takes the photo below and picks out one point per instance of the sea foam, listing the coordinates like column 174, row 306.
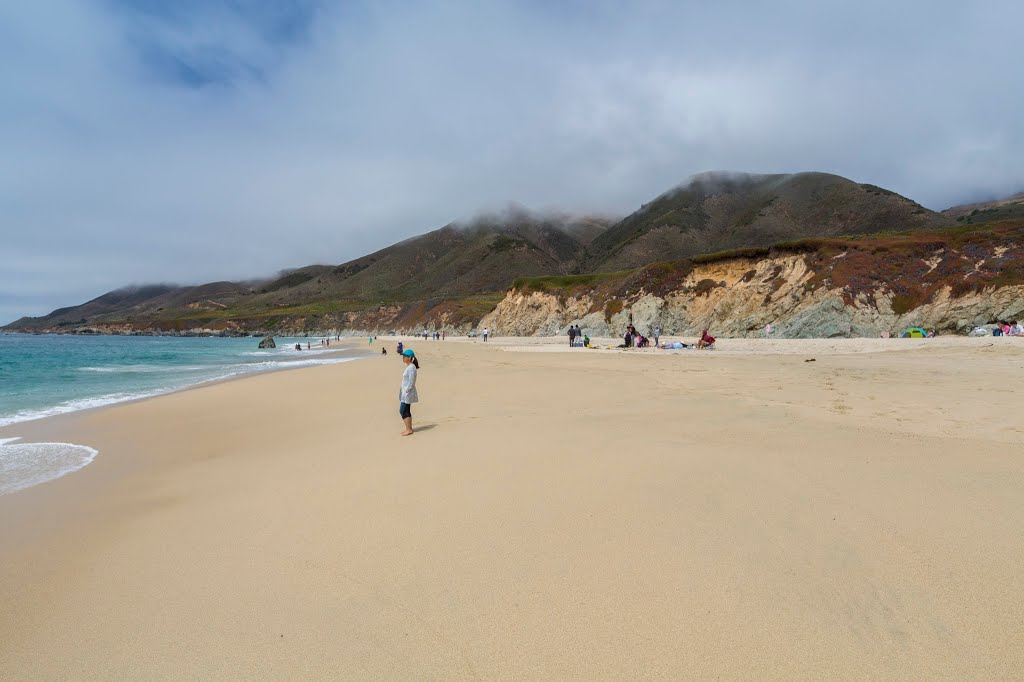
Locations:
column 217, row 374
column 23, row 465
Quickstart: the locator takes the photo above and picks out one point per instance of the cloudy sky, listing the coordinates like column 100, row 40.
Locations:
column 195, row 140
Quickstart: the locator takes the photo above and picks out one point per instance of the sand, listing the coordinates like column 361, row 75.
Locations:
column 580, row 514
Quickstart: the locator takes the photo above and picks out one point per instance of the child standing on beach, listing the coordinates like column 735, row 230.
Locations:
column 407, row 394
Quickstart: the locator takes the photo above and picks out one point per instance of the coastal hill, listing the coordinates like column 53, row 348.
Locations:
column 464, row 268
column 719, row 211
column 483, row 256
column 998, row 209
column 455, row 276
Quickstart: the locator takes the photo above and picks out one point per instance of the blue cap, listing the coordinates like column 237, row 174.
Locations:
column 408, row 353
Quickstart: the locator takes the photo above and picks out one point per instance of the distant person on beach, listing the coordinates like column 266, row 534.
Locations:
column 1016, row 328
column 586, row 342
column 572, row 336
column 627, row 340
column 407, row 394
column 579, row 336
column 768, row 330
column 383, row 351
column 487, row 332
column 656, row 334
column 401, row 347
column 706, row 340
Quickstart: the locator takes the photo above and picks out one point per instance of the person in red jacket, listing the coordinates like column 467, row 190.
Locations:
column 706, row 340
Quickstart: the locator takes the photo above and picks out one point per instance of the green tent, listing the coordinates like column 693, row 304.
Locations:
column 914, row 333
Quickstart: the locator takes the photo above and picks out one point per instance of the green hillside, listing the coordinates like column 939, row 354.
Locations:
column 718, row 211
column 999, row 209
column 468, row 264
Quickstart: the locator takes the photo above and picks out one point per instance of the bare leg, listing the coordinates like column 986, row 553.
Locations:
column 408, row 426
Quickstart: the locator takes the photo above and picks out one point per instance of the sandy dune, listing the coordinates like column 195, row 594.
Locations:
column 587, row 514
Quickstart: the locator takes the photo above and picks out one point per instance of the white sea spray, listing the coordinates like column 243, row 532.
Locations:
column 23, row 465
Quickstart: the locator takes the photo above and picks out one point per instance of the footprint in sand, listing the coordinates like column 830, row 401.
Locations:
column 840, row 407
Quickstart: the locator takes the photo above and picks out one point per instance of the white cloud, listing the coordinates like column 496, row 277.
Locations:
column 385, row 120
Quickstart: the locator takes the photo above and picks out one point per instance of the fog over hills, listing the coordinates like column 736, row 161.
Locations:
column 468, row 266
column 481, row 256
column 997, row 209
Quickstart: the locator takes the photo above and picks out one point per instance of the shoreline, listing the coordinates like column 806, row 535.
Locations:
column 744, row 347
column 323, row 354
column 584, row 514
column 77, row 456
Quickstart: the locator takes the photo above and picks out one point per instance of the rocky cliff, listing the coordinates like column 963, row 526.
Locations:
column 949, row 280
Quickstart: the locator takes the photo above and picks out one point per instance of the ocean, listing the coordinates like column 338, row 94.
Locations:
column 45, row 375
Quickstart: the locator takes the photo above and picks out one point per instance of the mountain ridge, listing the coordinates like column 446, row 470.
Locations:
column 457, row 261
column 456, row 274
column 721, row 210
column 985, row 211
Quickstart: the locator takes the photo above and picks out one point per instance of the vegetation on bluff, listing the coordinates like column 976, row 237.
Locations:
column 913, row 266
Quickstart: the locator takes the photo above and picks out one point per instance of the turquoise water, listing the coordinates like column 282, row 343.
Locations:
column 46, row 375
column 50, row 374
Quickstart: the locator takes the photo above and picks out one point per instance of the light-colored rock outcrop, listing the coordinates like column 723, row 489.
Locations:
column 738, row 297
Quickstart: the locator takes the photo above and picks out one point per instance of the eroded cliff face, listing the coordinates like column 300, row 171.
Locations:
column 738, row 297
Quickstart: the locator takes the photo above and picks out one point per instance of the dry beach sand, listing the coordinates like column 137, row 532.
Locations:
column 582, row 514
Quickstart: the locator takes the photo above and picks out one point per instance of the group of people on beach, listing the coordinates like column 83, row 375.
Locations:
column 577, row 338
column 407, row 394
column 435, row 335
column 1004, row 328
column 634, row 339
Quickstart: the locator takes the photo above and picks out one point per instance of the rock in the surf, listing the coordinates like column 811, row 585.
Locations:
column 268, row 342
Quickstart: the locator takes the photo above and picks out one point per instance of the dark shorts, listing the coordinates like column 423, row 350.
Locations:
column 405, row 409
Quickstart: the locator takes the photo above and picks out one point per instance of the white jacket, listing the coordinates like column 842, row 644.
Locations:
column 407, row 394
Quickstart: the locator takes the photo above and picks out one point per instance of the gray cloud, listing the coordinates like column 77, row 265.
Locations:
column 226, row 142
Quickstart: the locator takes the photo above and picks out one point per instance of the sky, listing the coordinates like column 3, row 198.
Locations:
column 199, row 140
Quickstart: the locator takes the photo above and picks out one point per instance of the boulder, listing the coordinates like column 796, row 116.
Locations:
column 268, row 342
